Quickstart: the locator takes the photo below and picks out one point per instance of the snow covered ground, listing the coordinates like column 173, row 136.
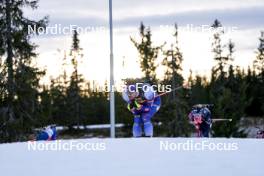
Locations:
column 134, row 157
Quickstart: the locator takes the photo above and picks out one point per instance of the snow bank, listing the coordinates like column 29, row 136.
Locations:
column 135, row 157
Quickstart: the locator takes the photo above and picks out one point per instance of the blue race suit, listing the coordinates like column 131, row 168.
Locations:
column 143, row 117
column 47, row 134
column 143, row 113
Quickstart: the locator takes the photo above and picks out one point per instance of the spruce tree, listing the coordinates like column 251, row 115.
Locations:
column 173, row 63
column 174, row 105
column 259, row 61
column 147, row 53
column 74, row 90
column 22, row 78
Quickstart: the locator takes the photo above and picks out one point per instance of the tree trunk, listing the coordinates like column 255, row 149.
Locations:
column 9, row 60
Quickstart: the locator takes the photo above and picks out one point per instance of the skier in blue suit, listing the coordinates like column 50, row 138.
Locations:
column 49, row 133
column 143, row 103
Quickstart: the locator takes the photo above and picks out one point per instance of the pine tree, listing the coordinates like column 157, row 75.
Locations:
column 256, row 88
column 230, row 100
column 74, row 90
column 175, row 107
column 222, row 61
column 22, row 79
column 173, row 63
column 259, row 61
column 147, row 52
column 219, row 71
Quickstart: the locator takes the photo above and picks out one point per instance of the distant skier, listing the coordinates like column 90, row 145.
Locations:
column 200, row 117
column 49, row 133
column 143, row 103
column 260, row 133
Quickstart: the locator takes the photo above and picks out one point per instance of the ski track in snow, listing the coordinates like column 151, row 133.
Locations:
column 134, row 157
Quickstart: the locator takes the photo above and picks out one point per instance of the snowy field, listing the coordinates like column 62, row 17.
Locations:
column 134, row 157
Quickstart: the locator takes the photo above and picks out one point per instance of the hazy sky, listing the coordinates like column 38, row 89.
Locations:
column 245, row 16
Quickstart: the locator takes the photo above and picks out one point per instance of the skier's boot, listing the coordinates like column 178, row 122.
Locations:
column 148, row 129
column 137, row 131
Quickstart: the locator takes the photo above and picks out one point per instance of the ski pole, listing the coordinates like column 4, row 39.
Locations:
column 165, row 93
column 198, row 132
column 219, row 120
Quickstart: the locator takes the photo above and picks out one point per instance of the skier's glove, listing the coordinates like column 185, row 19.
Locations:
column 157, row 107
column 139, row 100
column 197, row 120
column 134, row 107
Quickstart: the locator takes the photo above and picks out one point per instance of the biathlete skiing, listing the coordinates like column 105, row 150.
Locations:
column 143, row 102
column 200, row 117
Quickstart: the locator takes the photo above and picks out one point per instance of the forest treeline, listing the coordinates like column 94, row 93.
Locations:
column 70, row 100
